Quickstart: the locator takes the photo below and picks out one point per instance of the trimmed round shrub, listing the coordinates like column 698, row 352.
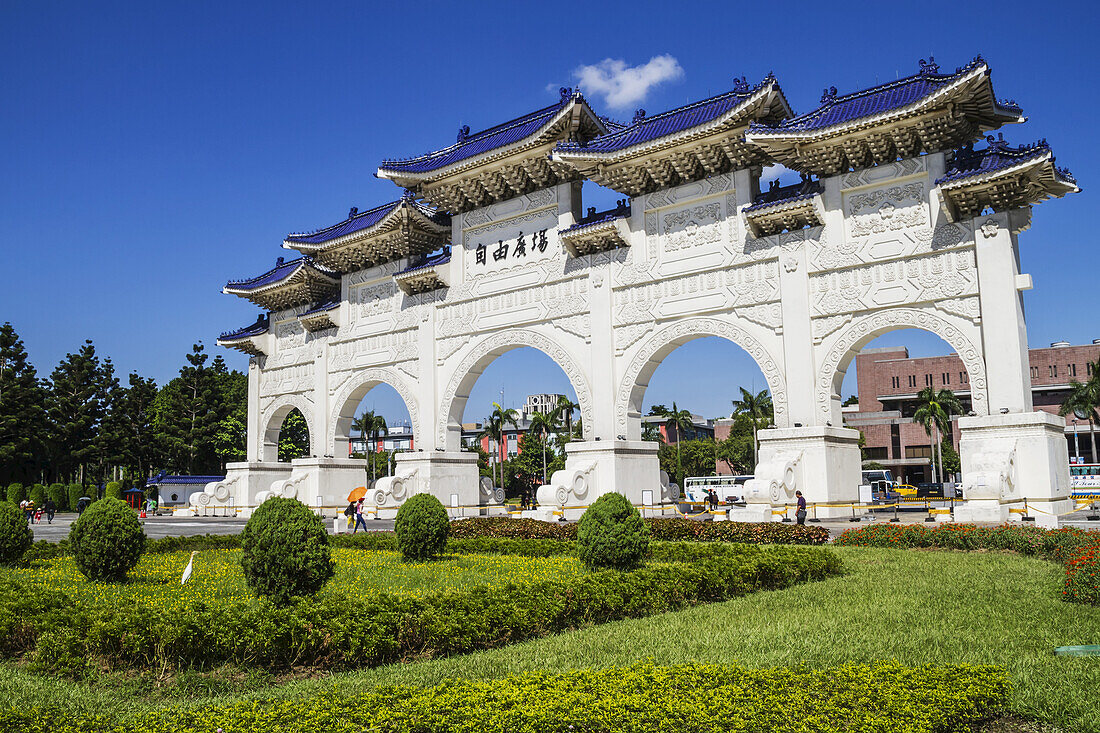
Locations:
column 107, row 541
column 113, row 490
column 16, row 493
column 286, row 551
column 75, row 491
column 15, row 536
column 611, row 534
column 37, row 494
column 422, row 527
column 60, row 496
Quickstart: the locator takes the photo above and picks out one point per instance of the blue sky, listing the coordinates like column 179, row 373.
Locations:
column 153, row 151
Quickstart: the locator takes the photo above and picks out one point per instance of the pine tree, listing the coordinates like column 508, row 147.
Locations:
column 75, row 409
column 187, row 416
column 130, row 424
column 22, row 411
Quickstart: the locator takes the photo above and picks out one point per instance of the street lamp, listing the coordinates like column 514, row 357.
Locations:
column 1076, row 447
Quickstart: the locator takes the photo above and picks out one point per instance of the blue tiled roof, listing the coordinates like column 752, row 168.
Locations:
column 164, row 478
column 257, row 328
column 322, row 307
column 281, row 271
column 998, row 155
column 836, row 110
column 438, row 259
column 801, row 191
column 593, row 218
column 470, row 145
column 645, row 128
column 357, row 221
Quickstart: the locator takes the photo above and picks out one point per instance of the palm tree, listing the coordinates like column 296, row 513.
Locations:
column 1082, row 402
column 544, row 424
column 374, row 425
column 564, row 410
column 759, row 409
column 934, row 411
column 494, row 430
column 680, row 421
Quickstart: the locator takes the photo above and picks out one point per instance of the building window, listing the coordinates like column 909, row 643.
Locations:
column 947, row 378
column 877, row 453
column 895, row 382
column 1053, row 368
column 918, row 451
column 912, row 380
column 1088, row 368
column 1034, row 372
column 964, row 378
column 1071, row 370
column 927, row 380
column 895, row 440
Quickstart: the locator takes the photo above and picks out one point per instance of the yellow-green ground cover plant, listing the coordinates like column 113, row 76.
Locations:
column 694, row 698
column 56, row 629
column 1077, row 549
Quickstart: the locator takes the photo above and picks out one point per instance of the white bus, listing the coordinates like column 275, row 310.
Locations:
column 728, row 488
column 1084, row 479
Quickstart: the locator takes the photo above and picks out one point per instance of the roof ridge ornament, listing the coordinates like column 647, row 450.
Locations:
column 829, row 95
column 463, row 133
column 566, row 93
column 740, row 85
column 997, row 143
column 352, row 212
column 279, row 261
column 408, row 195
column 929, row 67
column 639, row 115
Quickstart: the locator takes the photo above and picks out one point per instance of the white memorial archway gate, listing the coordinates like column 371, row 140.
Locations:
column 898, row 222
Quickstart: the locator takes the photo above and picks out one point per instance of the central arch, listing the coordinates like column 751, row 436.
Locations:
column 272, row 422
column 352, row 392
column 483, row 353
column 636, row 379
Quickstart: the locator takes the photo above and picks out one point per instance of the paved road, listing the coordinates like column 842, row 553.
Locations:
column 167, row 526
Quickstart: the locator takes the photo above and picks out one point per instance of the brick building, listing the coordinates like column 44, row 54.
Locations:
column 888, row 382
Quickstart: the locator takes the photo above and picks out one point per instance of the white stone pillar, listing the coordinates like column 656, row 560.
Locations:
column 1004, row 331
column 254, row 438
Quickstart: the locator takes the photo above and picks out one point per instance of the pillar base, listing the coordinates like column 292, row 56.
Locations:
column 1010, row 458
column 822, row 462
column 322, row 483
column 450, row 476
column 595, row 467
column 242, row 483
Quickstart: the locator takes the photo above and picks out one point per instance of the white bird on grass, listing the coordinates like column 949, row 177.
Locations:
column 187, row 570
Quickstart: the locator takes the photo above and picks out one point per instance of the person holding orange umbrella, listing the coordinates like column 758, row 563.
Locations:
column 359, row 517
column 356, row 495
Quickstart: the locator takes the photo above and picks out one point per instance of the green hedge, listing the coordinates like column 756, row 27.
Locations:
column 75, row 491
column 37, row 494
column 60, row 496
column 1077, row 549
column 667, row 528
column 16, row 493
column 335, row 631
column 884, row 696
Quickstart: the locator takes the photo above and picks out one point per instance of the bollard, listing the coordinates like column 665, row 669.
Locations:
column 896, row 518
column 814, row 519
column 1025, row 517
column 853, row 518
column 928, row 508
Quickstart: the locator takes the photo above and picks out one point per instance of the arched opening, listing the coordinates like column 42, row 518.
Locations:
column 376, row 417
column 517, row 408
column 285, row 437
column 293, row 437
column 703, row 398
column 905, row 390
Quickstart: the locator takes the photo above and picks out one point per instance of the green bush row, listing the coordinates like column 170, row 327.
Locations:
column 339, row 632
column 884, row 696
column 664, row 528
column 63, row 496
column 1077, row 549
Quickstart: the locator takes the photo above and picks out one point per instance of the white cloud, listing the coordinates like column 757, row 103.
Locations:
column 622, row 85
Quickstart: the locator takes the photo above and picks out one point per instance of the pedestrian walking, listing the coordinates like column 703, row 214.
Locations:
column 359, row 517
column 800, row 511
column 51, row 509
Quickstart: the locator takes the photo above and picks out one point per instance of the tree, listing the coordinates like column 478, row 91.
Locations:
column 660, row 410
column 535, row 459
column 852, row 400
column 75, row 409
column 737, row 451
column 1082, row 402
column 230, row 440
column 933, row 413
column 22, row 411
column 564, row 412
column 494, row 430
column 293, row 436
column 543, row 424
column 132, row 437
column 680, row 421
column 759, row 409
column 949, row 457
column 651, row 432
column 373, row 425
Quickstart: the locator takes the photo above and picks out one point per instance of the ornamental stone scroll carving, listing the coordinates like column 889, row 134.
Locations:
column 700, row 327
column 515, row 338
column 372, row 377
column 865, row 328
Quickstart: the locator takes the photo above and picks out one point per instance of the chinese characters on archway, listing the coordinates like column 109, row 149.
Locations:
column 515, row 249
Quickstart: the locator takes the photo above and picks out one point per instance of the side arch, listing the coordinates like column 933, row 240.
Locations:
column 348, row 397
column 484, row 353
column 272, row 419
column 653, row 351
column 865, row 329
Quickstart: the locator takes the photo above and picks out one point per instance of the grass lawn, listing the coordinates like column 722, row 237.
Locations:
column 217, row 576
column 913, row 606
